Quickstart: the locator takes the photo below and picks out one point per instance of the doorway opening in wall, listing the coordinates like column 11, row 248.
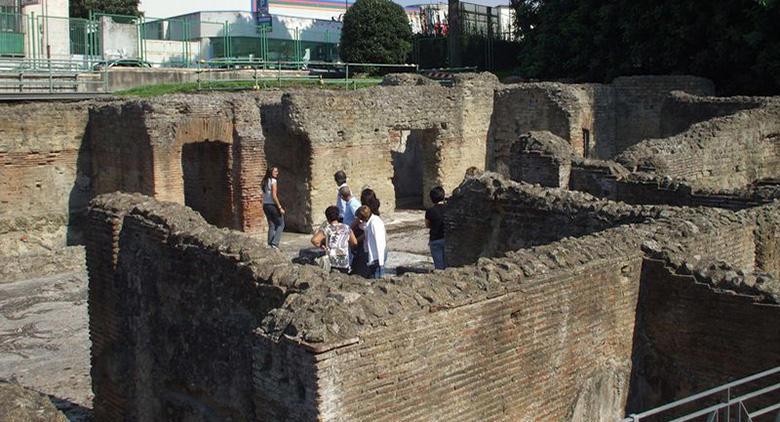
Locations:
column 585, row 143
column 206, row 171
column 415, row 166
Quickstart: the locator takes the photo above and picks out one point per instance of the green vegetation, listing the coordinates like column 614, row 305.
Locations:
column 736, row 43
column 375, row 31
column 192, row 87
column 81, row 8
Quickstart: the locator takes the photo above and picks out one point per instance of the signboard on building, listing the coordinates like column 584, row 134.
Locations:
column 30, row 2
column 261, row 12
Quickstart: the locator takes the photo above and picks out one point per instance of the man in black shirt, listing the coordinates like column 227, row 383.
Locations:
column 434, row 220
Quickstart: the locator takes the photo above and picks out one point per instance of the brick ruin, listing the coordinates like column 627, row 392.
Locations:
column 621, row 252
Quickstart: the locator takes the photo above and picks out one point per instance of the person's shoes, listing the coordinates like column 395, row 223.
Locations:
column 274, row 247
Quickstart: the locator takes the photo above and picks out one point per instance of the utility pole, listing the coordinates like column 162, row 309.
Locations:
column 454, row 33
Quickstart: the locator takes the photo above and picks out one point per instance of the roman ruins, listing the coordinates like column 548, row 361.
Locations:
column 614, row 247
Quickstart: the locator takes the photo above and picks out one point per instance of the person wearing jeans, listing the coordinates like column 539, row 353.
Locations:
column 434, row 220
column 274, row 212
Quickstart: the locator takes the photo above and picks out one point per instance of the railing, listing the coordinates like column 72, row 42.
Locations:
column 261, row 72
column 49, row 76
column 730, row 408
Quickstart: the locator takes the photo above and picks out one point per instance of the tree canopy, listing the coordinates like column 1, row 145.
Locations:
column 375, row 31
column 81, row 8
column 736, row 43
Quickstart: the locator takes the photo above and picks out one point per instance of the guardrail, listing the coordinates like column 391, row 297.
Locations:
column 713, row 412
column 49, row 76
column 324, row 73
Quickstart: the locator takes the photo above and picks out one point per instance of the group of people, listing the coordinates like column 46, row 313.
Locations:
column 353, row 235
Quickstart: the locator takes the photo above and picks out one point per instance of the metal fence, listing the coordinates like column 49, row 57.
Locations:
column 744, row 400
column 172, row 42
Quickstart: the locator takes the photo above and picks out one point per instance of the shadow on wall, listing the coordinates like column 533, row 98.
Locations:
column 81, row 193
column 207, row 181
column 416, row 161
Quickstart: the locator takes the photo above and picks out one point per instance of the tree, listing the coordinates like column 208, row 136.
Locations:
column 375, row 31
column 81, row 8
column 735, row 43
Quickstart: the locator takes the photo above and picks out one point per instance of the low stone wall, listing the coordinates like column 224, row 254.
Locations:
column 727, row 331
column 722, row 153
column 486, row 341
column 680, row 110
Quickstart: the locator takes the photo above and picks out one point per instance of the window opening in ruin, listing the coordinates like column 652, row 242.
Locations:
column 585, row 143
column 415, row 166
column 206, row 173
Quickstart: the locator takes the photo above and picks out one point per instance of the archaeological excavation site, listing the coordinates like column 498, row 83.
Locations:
column 611, row 247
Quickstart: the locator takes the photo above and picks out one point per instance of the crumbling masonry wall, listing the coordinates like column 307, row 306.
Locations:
column 202, row 151
column 357, row 131
column 722, row 153
column 44, row 187
column 477, row 342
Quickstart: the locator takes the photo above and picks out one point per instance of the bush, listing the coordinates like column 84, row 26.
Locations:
column 375, row 31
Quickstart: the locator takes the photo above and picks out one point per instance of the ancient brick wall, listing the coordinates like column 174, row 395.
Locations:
column 728, row 330
column 541, row 158
column 561, row 109
column 639, row 101
column 489, row 215
column 680, row 110
column 44, row 186
column 203, row 151
column 354, row 131
column 171, row 314
column 723, row 153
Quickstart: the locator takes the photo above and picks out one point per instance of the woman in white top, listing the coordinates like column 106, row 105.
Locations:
column 273, row 208
column 375, row 243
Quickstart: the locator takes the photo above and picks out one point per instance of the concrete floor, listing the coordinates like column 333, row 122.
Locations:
column 44, row 340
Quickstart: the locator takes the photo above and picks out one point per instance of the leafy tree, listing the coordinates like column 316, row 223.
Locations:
column 375, row 31
column 734, row 42
column 81, row 8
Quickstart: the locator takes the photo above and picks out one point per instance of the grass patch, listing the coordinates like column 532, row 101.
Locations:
column 190, row 87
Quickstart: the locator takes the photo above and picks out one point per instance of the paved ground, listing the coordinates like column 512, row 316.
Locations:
column 44, row 341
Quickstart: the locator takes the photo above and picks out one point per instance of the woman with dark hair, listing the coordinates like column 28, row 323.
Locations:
column 272, row 207
column 335, row 239
column 369, row 199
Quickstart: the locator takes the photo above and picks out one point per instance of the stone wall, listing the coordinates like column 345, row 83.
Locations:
column 357, row 132
column 488, row 216
column 680, row 110
column 44, row 186
column 541, row 158
column 722, row 153
column 171, row 313
column 639, row 101
column 203, row 151
column 727, row 331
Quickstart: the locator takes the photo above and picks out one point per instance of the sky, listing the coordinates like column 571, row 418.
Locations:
column 166, row 8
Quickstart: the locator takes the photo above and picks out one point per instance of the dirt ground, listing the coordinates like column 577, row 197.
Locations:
column 44, row 337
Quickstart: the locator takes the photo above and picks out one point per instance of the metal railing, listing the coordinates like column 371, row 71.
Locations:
column 49, row 76
column 732, row 407
column 262, row 72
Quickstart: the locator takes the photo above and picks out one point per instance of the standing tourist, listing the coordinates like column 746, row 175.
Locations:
column 434, row 220
column 341, row 180
column 351, row 204
column 375, row 242
column 273, row 208
column 369, row 199
column 335, row 238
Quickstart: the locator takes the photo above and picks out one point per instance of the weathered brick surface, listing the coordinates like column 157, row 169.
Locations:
column 680, row 110
column 541, row 158
column 723, row 153
column 44, row 186
column 230, row 329
column 728, row 330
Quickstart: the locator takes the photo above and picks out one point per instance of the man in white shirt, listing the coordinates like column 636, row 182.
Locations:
column 341, row 181
column 375, row 243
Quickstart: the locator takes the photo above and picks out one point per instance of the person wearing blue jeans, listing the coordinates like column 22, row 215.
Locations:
column 272, row 208
column 434, row 220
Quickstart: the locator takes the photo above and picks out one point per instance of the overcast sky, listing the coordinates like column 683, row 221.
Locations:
column 166, row 8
